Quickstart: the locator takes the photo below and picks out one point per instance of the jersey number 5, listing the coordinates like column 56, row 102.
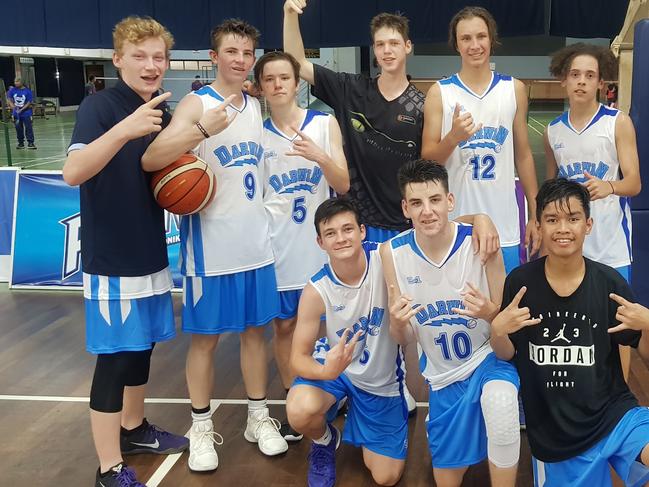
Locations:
column 484, row 168
column 299, row 210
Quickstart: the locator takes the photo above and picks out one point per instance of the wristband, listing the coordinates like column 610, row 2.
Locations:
column 612, row 188
column 202, row 129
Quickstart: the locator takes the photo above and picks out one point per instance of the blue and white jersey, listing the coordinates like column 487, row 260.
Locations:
column 377, row 365
column 593, row 149
column 451, row 346
column 293, row 189
column 231, row 234
column 481, row 169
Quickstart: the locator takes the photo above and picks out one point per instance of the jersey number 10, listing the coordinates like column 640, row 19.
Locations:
column 460, row 343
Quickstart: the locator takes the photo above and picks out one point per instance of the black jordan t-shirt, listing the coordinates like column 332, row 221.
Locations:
column 379, row 136
column 572, row 385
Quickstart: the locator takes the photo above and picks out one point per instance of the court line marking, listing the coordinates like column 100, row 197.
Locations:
column 535, row 120
column 535, row 130
column 168, row 463
column 151, row 400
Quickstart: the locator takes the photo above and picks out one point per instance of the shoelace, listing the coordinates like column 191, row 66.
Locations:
column 265, row 423
column 159, row 431
column 126, row 478
column 212, row 436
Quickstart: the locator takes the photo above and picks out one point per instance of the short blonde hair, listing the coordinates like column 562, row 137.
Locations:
column 135, row 29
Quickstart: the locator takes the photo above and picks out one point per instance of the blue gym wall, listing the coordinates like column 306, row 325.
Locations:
column 325, row 23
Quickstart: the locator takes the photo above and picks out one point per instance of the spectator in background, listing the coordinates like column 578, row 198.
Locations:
column 611, row 95
column 20, row 100
column 91, row 89
column 197, row 84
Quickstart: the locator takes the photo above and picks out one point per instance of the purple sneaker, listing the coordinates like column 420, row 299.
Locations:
column 120, row 476
column 322, row 461
column 151, row 439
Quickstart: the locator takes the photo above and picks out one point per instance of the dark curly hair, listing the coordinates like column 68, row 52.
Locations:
column 562, row 60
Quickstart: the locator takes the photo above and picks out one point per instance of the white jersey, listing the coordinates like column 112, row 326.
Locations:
column 481, row 169
column 293, row 189
column 593, row 149
column 231, row 234
column 451, row 346
column 377, row 365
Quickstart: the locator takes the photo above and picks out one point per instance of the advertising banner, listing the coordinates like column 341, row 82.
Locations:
column 46, row 245
column 7, row 193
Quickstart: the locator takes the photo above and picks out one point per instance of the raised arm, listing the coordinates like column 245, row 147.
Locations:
column 510, row 320
column 183, row 132
column 338, row 357
column 84, row 163
column 293, row 38
column 434, row 146
column 399, row 304
column 333, row 163
column 524, row 162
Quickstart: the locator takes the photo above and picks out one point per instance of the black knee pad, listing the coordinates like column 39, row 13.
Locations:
column 114, row 371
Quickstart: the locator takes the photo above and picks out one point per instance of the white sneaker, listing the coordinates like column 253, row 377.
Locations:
column 202, row 454
column 264, row 430
column 410, row 401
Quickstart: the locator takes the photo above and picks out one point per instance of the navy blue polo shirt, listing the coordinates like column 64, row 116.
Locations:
column 122, row 227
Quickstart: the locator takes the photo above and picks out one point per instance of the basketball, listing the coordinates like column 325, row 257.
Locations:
column 185, row 186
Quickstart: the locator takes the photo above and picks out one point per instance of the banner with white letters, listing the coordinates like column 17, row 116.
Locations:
column 46, row 248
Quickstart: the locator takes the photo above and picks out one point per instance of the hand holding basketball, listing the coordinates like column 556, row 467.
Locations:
column 296, row 6
column 512, row 318
column 463, row 126
column 632, row 316
column 185, row 186
column 401, row 309
column 476, row 304
column 340, row 355
column 145, row 120
column 216, row 120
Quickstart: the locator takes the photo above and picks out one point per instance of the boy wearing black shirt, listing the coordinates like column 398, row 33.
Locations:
column 565, row 316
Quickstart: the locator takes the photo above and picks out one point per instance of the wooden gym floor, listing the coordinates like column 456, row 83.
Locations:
column 45, row 377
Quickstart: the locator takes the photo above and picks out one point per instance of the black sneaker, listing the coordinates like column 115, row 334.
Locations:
column 31, row 146
column 151, row 439
column 118, row 476
column 20, row 146
column 289, row 434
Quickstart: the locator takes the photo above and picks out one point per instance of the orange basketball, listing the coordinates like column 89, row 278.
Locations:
column 185, row 186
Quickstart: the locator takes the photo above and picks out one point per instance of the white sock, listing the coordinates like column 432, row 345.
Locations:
column 324, row 439
column 256, row 405
column 201, row 416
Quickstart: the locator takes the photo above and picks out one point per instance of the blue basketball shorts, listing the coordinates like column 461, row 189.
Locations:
column 379, row 235
column 620, row 449
column 231, row 302
column 457, row 435
column 625, row 271
column 119, row 325
column 288, row 303
column 512, row 257
column 377, row 423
